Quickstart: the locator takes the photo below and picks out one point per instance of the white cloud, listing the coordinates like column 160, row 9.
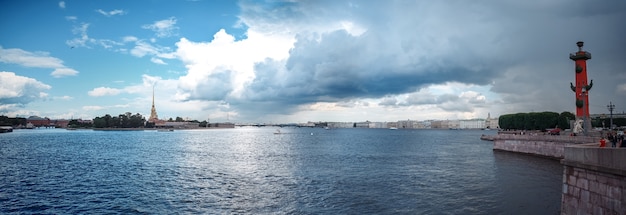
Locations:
column 224, row 57
column 83, row 38
column 473, row 97
column 92, row 108
column 29, row 59
column 163, row 28
column 104, row 91
column 37, row 60
column 144, row 87
column 388, row 101
column 111, row 13
column 142, row 49
column 62, row 4
column 71, row 18
column 98, row 107
column 157, row 61
column 60, row 72
column 65, row 98
column 20, row 90
column 127, row 39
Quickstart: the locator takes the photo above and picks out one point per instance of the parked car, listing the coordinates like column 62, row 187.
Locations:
column 556, row 131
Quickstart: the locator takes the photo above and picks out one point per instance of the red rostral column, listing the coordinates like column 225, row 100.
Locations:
column 581, row 88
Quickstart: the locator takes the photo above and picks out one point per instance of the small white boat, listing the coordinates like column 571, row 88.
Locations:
column 165, row 130
column 277, row 131
column 393, row 128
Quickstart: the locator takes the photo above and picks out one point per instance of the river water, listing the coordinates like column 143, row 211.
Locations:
column 253, row 171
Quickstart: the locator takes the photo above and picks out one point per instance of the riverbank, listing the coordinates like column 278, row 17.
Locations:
column 153, row 129
column 539, row 145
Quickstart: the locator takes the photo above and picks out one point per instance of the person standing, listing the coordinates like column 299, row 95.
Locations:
column 612, row 138
column 602, row 142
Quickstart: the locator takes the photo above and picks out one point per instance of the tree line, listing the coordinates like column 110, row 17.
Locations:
column 606, row 121
column 12, row 121
column 127, row 120
column 535, row 120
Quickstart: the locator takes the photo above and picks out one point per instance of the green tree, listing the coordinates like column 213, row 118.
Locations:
column 108, row 121
column 137, row 121
column 564, row 119
column 529, row 121
column 10, row 121
column 123, row 121
column 99, row 122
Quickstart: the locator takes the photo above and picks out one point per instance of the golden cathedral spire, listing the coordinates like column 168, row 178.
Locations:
column 153, row 114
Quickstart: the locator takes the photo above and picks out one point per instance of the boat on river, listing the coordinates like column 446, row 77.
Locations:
column 6, row 129
column 165, row 130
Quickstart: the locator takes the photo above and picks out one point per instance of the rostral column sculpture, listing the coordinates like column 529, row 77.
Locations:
column 581, row 88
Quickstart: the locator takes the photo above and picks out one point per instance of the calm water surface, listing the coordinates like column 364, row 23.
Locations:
column 253, row 171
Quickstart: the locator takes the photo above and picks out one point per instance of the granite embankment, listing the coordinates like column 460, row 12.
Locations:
column 540, row 145
column 594, row 180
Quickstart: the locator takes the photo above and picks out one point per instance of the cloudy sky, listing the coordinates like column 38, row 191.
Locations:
column 297, row 61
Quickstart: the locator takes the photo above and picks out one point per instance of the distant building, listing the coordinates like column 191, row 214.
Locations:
column 222, row 125
column 340, row 124
column 408, row 124
column 472, row 124
column 179, row 125
column 454, row 124
column 436, row 124
column 491, row 123
column 61, row 123
column 365, row 124
column 377, row 125
column 38, row 121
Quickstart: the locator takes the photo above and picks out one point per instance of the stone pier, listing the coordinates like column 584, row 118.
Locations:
column 594, row 180
column 539, row 145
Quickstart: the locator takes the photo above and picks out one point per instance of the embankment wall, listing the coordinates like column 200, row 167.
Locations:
column 540, row 145
column 594, row 180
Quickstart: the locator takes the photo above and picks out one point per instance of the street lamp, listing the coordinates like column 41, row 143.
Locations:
column 611, row 106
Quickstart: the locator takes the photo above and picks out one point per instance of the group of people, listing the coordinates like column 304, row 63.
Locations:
column 616, row 139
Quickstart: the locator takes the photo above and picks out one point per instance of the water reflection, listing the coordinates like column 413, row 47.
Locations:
column 252, row 170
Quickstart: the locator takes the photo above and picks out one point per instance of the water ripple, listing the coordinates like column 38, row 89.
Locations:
column 252, row 171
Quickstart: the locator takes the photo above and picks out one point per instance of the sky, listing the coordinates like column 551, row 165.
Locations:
column 297, row 61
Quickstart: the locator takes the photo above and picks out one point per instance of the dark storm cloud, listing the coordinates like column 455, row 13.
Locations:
column 340, row 66
column 519, row 48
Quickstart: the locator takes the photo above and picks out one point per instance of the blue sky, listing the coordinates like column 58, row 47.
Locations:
column 298, row 61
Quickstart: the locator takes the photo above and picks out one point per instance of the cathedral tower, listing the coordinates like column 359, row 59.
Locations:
column 153, row 114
